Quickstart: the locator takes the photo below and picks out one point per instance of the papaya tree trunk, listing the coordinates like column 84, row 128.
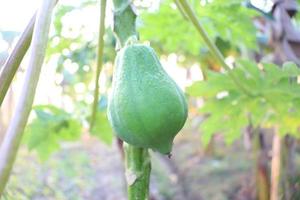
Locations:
column 275, row 166
column 262, row 169
column 288, row 165
column 138, row 168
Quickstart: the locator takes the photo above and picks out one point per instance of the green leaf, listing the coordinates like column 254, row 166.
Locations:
column 251, row 69
column 246, row 79
column 49, row 128
column 218, row 17
column 209, row 127
column 203, row 89
column 290, row 69
column 215, row 84
column 226, row 115
column 46, row 148
column 273, row 73
column 102, row 128
column 277, row 102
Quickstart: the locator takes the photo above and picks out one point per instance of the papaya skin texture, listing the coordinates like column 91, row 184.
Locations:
column 146, row 108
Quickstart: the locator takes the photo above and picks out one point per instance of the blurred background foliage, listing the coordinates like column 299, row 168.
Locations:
column 228, row 24
column 216, row 105
column 72, row 52
column 276, row 100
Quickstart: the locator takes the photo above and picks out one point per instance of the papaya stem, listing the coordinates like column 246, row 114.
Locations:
column 13, row 136
column 124, row 21
column 99, row 61
column 190, row 13
column 138, row 168
column 15, row 58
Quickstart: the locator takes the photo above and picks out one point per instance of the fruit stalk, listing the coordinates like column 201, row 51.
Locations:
column 124, row 22
column 138, row 162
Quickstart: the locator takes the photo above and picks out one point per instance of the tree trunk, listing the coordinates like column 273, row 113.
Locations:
column 288, row 168
column 275, row 166
column 262, row 168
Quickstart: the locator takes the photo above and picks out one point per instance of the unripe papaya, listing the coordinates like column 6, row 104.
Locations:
column 146, row 108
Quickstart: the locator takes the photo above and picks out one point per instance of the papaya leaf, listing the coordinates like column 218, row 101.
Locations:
column 102, row 128
column 277, row 101
column 209, row 127
column 272, row 73
column 211, row 87
column 201, row 88
column 49, row 128
column 251, row 70
column 213, row 15
column 246, row 79
column 290, row 69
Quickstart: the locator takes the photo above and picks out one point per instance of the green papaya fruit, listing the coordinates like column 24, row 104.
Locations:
column 146, row 108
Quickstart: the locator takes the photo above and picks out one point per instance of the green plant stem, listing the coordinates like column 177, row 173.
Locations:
column 124, row 22
column 138, row 168
column 99, row 61
column 138, row 164
column 215, row 51
column 11, row 142
column 118, row 3
column 15, row 58
column 178, row 5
